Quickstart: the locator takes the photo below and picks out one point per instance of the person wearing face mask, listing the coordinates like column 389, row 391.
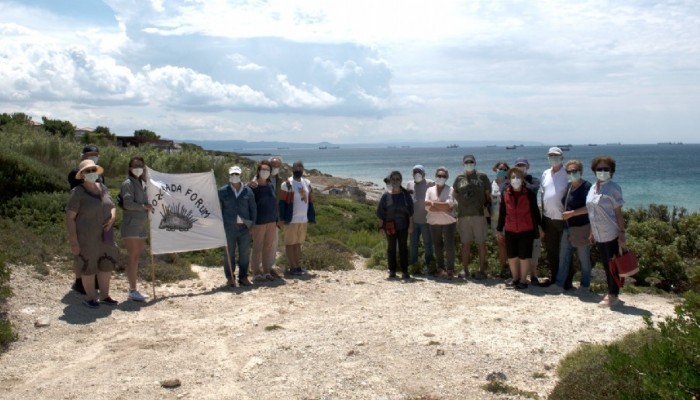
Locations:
column 394, row 211
column 472, row 190
column 604, row 203
column 554, row 184
column 265, row 229
column 417, row 187
column 296, row 212
column 577, row 230
column 239, row 212
column 134, row 228
column 501, row 169
column 276, row 179
column 90, row 215
column 533, row 184
column 90, row 152
column 439, row 204
column 519, row 221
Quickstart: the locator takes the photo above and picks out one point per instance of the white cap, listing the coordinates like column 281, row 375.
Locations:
column 554, row 151
column 234, row 170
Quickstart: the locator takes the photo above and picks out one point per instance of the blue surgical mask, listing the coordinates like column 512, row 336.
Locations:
column 602, row 175
column 574, row 176
column 501, row 173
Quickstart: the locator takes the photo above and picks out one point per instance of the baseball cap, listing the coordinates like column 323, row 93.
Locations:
column 521, row 160
column 469, row 157
column 419, row 168
column 234, row 170
column 554, row 151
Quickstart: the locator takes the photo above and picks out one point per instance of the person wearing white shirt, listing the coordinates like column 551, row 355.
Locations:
column 554, row 184
column 441, row 218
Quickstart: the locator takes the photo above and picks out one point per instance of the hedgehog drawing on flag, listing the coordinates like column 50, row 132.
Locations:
column 176, row 217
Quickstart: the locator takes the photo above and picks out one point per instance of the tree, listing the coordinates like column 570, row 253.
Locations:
column 102, row 130
column 145, row 133
column 15, row 118
column 58, row 127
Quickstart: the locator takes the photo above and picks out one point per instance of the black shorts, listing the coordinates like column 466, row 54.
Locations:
column 519, row 245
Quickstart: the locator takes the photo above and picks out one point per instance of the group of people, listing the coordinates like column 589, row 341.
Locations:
column 252, row 212
column 570, row 214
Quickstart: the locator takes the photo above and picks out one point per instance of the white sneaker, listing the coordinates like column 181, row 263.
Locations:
column 135, row 295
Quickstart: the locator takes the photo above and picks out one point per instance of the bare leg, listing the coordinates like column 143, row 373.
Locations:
column 297, row 254
column 524, row 268
column 466, row 257
column 134, row 247
column 289, row 249
column 514, row 271
column 482, row 257
column 103, row 279
column 89, row 286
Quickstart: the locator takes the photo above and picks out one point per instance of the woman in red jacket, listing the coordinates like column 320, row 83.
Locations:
column 519, row 220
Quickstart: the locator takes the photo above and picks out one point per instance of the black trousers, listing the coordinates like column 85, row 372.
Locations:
column 607, row 250
column 400, row 241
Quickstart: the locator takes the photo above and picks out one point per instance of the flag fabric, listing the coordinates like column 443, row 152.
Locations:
column 187, row 214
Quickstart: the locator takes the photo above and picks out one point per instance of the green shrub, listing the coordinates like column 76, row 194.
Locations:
column 652, row 363
column 169, row 268
column 7, row 334
column 323, row 254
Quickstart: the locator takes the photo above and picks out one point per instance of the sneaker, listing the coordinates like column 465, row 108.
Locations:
column 245, row 281
column 91, row 303
column 521, row 286
column 512, row 283
column 405, row 276
column 298, row 271
column 534, row 281
column 78, row 286
column 275, row 274
column 479, row 276
column 135, row 295
column 269, row 277
column 392, row 275
column 109, row 301
column 261, row 278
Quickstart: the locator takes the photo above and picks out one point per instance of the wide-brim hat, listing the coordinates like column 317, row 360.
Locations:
column 87, row 164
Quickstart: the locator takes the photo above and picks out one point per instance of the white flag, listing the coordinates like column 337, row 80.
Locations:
column 187, row 214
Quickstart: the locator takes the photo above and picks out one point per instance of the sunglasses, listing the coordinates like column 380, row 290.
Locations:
column 603, row 169
column 502, row 169
column 469, row 162
column 441, row 176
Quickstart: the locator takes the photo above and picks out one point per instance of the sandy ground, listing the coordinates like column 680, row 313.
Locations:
column 330, row 335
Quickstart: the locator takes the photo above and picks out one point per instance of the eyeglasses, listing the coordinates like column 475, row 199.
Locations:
column 573, row 171
column 441, row 176
column 602, row 169
column 469, row 162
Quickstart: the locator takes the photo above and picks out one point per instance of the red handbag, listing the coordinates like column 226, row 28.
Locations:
column 624, row 265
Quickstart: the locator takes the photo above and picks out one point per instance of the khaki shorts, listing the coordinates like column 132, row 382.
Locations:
column 472, row 229
column 294, row 234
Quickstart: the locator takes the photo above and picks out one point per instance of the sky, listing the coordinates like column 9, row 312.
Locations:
column 360, row 71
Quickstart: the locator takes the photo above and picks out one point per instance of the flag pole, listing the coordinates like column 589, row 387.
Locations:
column 153, row 276
column 230, row 266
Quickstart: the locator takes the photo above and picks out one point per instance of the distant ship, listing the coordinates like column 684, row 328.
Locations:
column 592, row 144
column 564, row 147
column 453, row 146
column 490, row 145
column 511, row 147
column 673, row 143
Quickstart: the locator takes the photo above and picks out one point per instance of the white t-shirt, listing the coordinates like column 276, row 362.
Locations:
column 301, row 191
column 553, row 190
column 440, row 217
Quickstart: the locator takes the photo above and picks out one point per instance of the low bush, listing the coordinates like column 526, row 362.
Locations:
column 324, row 255
column 168, row 268
column 659, row 362
column 7, row 334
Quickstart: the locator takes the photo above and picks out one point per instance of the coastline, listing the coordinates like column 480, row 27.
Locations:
column 325, row 183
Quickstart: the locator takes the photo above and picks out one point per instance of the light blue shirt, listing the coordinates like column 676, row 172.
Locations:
column 601, row 204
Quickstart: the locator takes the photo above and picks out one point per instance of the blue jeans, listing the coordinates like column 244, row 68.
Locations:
column 418, row 230
column 566, row 252
column 240, row 238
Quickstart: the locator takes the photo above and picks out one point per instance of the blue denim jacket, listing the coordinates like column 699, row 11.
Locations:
column 242, row 206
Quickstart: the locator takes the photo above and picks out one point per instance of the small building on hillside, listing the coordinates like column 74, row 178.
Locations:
column 138, row 141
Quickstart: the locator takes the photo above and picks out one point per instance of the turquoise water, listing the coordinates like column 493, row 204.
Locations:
column 660, row 174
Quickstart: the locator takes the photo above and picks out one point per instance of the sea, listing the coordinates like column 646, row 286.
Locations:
column 652, row 173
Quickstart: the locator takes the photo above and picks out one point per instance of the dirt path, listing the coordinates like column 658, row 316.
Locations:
column 334, row 335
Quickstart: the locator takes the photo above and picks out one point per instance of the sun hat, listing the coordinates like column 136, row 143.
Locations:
column 234, row 170
column 554, row 151
column 87, row 164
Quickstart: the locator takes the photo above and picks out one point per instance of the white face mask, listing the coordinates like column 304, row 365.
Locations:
column 264, row 174
column 91, row 177
column 469, row 167
column 418, row 177
column 554, row 160
column 137, row 172
column 234, row 178
column 574, row 177
column 94, row 159
column 275, row 171
column 602, row 175
column 440, row 181
column 516, row 183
